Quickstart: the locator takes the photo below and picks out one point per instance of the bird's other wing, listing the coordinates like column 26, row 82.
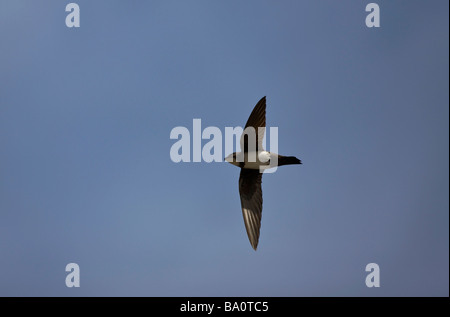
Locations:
column 256, row 120
column 251, row 202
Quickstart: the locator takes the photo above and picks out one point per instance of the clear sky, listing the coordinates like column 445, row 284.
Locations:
column 85, row 168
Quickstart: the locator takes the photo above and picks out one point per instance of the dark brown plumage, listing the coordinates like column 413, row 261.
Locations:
column 250, row 178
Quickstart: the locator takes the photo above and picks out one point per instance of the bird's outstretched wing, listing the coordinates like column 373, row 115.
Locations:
column 256, row 120
column 251, row 202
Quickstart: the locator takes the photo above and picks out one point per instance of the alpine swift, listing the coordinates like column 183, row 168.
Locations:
column 252, row 160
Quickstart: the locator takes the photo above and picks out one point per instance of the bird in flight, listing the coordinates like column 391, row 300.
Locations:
column 253, row 160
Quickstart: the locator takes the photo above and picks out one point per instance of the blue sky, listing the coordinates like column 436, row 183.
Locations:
column 86, row 175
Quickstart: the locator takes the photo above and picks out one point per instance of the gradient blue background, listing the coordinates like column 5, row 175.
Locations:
column 86, row 176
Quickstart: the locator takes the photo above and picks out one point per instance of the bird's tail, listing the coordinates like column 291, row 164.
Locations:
column 288, row 160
